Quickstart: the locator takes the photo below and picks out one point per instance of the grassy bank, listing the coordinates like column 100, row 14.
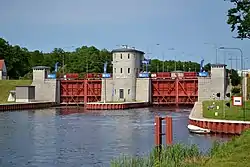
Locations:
column 225, row 112
column 234, row 153
column 7, row 85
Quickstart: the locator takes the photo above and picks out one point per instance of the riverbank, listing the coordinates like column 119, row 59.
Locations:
column 216, row 125
column 7, row 85
column 234, row 153
column 23, row 106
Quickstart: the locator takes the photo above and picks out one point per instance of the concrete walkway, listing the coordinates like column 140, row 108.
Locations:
column 197, row 115
column 196, row 112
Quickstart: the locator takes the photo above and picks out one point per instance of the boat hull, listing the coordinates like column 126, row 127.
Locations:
column 196, row 129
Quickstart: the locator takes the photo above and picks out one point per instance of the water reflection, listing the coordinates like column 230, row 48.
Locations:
column 74, row 137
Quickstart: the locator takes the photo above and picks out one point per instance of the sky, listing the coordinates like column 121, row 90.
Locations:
column 180, row 27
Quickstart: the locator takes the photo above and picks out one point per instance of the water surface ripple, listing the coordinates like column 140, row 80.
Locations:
column 53, row 137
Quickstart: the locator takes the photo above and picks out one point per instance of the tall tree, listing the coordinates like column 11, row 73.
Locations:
column 20, row 61
column 239, row 18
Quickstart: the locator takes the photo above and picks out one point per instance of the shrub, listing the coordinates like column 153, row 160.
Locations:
column 235, row 90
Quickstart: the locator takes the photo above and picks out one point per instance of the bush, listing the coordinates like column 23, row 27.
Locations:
column 235, row 78
column 235, row 90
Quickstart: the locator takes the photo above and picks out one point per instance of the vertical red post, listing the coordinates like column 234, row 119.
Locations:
column 158, row 131
column 177, row 91
column 169, row 130
column 85, row 92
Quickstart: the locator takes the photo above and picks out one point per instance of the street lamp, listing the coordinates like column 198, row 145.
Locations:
column 157, row 65
column 241, row 56
column 163, row 59
column 216, row 50
column 174, row 58
column 64, row 56
column 148, row 53
column 175, row 63
column 147, row 57
column 246, row 58
column 241, row 64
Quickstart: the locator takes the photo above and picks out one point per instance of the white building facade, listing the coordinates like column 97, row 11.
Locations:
column 3, row 70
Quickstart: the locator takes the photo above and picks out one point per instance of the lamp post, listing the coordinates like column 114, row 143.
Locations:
column 175, row 63
column 236, row 62
column 157, row 66
column 163, row 62
column 174, row 58
column 147, row 57
column 241, row 64
column 64, row 56
column 216, row 50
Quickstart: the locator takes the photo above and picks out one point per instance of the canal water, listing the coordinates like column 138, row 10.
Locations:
column 70, row 138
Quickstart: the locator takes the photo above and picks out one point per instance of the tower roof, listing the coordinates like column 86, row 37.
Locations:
column 41, row 67
column 218, row 65
column 126, row 50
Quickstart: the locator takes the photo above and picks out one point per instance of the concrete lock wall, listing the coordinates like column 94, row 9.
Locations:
column 109, row 90
column 218, row 77
column 25, row 93
column 143, row 87
column 22, row 94
column 47, row 90
column 204, row 89
column 208, row 87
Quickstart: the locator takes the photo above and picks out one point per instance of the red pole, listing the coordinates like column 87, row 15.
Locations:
column 177, row 91
column 158, row 131
column 85, row 92
column 169, row 131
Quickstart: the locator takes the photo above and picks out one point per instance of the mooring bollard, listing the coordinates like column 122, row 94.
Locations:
column 158, row 131
column 168, row 131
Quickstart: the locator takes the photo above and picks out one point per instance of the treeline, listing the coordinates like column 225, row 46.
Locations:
column 20, row 61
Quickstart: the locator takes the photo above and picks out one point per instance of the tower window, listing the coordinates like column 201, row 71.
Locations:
column 128, row 70
column 115, row 70
column 121, row 70
column 128, row 91
column 128, row 56
column 121, row 56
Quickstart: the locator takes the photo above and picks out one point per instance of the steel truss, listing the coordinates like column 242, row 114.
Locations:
column 80, row 91
column 174, row 91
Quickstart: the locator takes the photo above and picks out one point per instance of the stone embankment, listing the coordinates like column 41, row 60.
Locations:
column 216, row 125
column 23, row 106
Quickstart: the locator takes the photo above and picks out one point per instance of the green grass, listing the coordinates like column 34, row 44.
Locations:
column 234, row 153
column 7, row 85
column 176, row 155
column 228, row 113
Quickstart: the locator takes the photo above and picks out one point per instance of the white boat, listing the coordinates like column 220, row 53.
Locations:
column 197, row 129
